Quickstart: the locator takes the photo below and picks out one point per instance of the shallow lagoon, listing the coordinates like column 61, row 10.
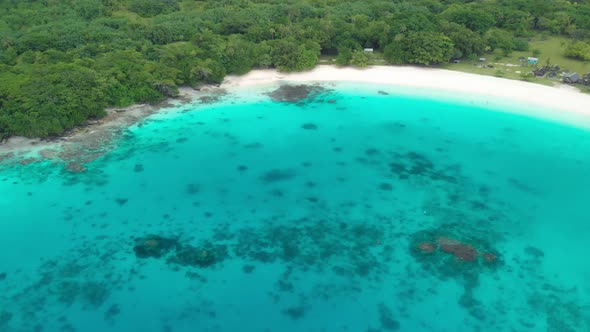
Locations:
column 353, row 209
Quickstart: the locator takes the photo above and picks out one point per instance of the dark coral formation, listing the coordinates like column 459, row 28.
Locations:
column 204, row 255
column 413, row 164
column 5, row 317
column 248, row 268
column 176, row 252
column 534, row 252
column 276, row 175
column 192, row 188
column 451, row 252
column 121, row 201
column 426, row 247
column 461, row 251
column 295, row 312
column 385, row 187
column 154, row 246
column 112, row 312
column 209, row 99
column 457, row 251
column 320, row 245
column 309, row 126
column 299, row 94
column 6, row 156
column 75, row 167
column 85, row 277
column 388, row 322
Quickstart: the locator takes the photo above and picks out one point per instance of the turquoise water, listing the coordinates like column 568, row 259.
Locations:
column 267, row 216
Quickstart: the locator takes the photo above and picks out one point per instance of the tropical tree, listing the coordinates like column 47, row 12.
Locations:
column 423, row 48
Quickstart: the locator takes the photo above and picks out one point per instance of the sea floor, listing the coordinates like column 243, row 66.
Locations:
column 311, row 208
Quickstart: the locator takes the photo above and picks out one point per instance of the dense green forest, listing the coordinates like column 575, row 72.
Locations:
column 63, row 61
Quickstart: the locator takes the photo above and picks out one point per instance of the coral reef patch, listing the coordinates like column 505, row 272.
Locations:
column 154, row 246
column 299, row 94
column 176, row 252
column 450, row 252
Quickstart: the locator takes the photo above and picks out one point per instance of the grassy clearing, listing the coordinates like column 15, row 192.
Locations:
column 551, row 49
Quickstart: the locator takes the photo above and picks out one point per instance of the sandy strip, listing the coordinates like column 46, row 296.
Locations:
column 482, row 88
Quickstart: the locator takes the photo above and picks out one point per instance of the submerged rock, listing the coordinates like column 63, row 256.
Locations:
column 387, row 319
column 192, row 188
column 6, row 156
column 75, row 167
column 296, row 93
column 27, row 161
column 450, row 256
column 154, row 246
column 276, row 175
column 490, row 258
column 460, row 250
column 309, row 126
column 113, row 311
column 385, row 187
column 535, row 252
column 295, row 312
column 121, row 201
column 210, row 99
column 5, row 317
column 175, row 252
column 248, row 268
column 426, row 247
column 202, row 256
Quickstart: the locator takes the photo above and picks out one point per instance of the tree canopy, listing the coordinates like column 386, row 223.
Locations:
column 63, row 61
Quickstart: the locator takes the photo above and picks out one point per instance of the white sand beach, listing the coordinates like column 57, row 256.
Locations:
column 481, row 88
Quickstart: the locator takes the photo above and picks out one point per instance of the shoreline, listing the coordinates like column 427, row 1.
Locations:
column 86, row 143
column 431, row 81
